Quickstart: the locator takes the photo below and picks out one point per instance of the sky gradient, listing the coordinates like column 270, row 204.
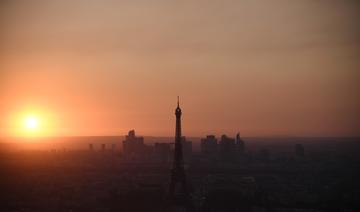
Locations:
column 264, row 68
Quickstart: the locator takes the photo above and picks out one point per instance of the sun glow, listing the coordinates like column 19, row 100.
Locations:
column 31, row 123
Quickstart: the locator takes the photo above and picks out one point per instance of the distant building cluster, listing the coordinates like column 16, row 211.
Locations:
column 135, row 150
column 102, row 147
column 226, row 149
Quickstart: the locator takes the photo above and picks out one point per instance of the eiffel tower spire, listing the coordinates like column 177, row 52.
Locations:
column 178, row 190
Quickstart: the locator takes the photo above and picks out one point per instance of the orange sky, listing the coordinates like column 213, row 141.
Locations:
column 104, row 67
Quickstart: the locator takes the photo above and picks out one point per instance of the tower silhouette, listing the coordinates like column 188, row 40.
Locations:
column 178, row 190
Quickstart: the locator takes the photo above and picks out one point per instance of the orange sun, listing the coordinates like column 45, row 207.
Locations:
column 31, row 123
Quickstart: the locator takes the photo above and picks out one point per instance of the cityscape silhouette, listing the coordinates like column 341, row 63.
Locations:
column 268, row 119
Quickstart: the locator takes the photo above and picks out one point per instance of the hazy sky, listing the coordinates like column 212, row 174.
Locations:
column 261, row 67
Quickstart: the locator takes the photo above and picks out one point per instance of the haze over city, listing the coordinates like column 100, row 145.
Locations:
column 179, row 106
column 264, row 68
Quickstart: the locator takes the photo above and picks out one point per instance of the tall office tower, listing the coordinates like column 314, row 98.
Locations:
column 209, row 145
column 134, row 148
column 178, row 190
column 227, row 148
column 186, row 149
column 240, row 145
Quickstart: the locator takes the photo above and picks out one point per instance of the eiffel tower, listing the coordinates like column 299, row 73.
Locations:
column 178, row 189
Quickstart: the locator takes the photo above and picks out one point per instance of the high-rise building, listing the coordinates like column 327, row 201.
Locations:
column 133, row 147
column 227, row 148
column 187, row 149
column 209, row 145
column 239, row 143
column 178, row 189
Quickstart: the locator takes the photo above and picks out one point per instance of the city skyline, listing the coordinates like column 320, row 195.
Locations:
column 169, row 106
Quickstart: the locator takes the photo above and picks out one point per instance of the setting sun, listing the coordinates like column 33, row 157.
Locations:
column 31, row 123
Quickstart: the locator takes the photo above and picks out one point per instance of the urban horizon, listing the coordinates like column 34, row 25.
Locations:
column 266, row 117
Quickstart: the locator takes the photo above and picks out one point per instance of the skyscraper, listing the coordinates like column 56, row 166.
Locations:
column 227, row 148
column 178, row 190
column 133, row 147
column 186, row 149
column 240, row 145
column 209, row 145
